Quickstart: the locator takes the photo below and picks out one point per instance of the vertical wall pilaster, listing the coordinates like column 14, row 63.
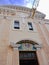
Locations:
column 9, row 57
column 40, row 61
column 41, row 57
column 44, row 51
column 15, row 56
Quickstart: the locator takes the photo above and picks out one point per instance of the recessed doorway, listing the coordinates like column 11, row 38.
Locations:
column 28, row 58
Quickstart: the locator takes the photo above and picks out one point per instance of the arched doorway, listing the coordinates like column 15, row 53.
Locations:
column 27, row 52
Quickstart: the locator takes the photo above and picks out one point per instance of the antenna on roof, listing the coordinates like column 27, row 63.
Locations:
column 34, row 7
column 33, row 10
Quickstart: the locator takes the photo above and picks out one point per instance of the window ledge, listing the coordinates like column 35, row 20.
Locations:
column 29, row 31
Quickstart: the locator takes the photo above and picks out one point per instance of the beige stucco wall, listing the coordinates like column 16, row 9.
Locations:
column 40, row 34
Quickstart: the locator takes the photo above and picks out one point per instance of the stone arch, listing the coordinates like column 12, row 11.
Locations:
column 27, row 44
column 27, row 41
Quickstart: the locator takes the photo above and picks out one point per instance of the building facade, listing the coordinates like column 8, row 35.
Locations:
column 23, row 40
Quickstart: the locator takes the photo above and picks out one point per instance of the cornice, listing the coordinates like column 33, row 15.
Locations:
column 11, row 10
column 7, row 11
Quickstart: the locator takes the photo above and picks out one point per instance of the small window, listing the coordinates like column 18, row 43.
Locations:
column 16, row 25
column 30, row 26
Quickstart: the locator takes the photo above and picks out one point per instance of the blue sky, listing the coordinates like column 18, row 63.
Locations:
column 43, row 4
column 16, row 2
column 26, row 3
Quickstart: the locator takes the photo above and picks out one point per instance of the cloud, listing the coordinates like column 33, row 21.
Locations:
column 28, row 3
column 44, row 7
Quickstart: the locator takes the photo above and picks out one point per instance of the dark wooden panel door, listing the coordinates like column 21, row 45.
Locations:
column 28, row 58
